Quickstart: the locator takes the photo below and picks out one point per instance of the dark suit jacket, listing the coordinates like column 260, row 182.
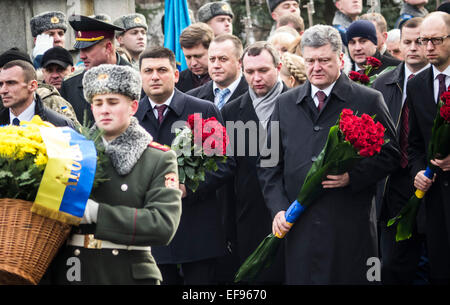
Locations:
column 40, row 109
column 186, row 81
column 72, row 91
column 386, row 61
column 251, row 217
column 423, row 110
column 400, row 184
column 205, row 92
column 320, row 247
column 200, row 234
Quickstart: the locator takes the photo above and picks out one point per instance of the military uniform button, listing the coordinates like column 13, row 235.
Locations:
column 76, row 252
column 316, row 128
column 124, row 187
column 445, row 183
column 115, row 252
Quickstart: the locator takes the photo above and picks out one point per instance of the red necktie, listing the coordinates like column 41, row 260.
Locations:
column 441, row 78
column 404, row 133
column 160, row 109
column 321, row 96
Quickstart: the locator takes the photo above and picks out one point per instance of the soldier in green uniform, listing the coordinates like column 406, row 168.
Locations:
column 95, row 40
column 138, row 207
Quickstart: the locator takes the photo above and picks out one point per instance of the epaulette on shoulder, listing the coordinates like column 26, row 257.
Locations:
column 74, row 73
column 159, row 146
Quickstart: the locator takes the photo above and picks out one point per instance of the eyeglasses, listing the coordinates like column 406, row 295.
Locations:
column 434, row 41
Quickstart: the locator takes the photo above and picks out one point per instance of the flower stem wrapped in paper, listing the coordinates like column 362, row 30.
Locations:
column 350, row 140
column 199, row 146
column 439, row 147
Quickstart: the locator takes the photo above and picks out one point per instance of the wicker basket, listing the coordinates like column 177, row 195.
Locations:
column 28, row 242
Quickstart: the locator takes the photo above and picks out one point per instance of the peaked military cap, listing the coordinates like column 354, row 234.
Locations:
column 131, row 21
column 47, row 21
column 213, row 9
column 272, row 4
column 89, row 31
column 107, row 78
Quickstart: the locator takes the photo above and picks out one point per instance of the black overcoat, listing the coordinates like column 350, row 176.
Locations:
column 252, row 219
column 335, row 237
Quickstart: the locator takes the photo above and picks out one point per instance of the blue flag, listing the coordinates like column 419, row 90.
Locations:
column 176, row 19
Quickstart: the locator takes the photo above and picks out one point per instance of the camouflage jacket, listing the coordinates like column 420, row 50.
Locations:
column 53, row 100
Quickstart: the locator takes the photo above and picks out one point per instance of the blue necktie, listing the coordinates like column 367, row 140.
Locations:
column 221, row 94
column 16, row 122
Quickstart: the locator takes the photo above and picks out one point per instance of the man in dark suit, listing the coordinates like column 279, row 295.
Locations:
column 423, row 92
column 362, row 43
column 251, row 111
column 224, row 68
column 335, row 238
column 18, row 87
column 400, row 260
column 195, row 40
column 199, row 239
column 95, row 40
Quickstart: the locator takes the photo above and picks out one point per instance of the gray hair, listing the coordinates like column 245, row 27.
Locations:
column 320, row 35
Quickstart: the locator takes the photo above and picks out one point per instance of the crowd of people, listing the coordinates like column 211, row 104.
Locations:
column 143, row 227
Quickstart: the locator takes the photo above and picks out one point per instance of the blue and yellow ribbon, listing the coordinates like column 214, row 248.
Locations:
column 68, row 176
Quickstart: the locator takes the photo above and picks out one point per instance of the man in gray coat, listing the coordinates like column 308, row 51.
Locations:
column 335, row 238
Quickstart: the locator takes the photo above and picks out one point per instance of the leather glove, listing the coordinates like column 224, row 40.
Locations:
column 90, row 212
column 43, row 43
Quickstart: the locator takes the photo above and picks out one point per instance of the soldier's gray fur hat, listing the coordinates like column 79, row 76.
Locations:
column 213, row 9
column 106, row 79
column 48, row 21
column 131, row 21
column 272, row 4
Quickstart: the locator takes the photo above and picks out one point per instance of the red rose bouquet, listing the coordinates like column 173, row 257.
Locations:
column 350, row 140
column 439, row 147
column 372, row 63
column 199, row 145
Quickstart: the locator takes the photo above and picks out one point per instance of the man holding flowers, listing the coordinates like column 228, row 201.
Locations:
column 199, row 240
column 424, row 92
column 334, row 238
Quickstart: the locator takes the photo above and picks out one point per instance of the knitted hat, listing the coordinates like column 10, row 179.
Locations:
column 213, row 9
column 106, row 79
column 272, row 4
column 47, row 21
column 13, row 54
column 131, row 21
column 362, row 28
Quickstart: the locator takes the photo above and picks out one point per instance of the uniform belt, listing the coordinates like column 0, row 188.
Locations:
column 88, row 241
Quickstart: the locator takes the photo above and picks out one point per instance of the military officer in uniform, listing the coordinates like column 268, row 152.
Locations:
column 95, row 40
column 134, row 38
column 138, row 207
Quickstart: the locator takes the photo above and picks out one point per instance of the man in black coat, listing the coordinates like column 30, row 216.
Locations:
column 423, row 93
column 362, row 43
column 335, row 239
column 18, row 92
column 194, row 41
column 400, row 260
column 224, row 67
column 95, row 40
column 251, row 112
column 199, row 240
